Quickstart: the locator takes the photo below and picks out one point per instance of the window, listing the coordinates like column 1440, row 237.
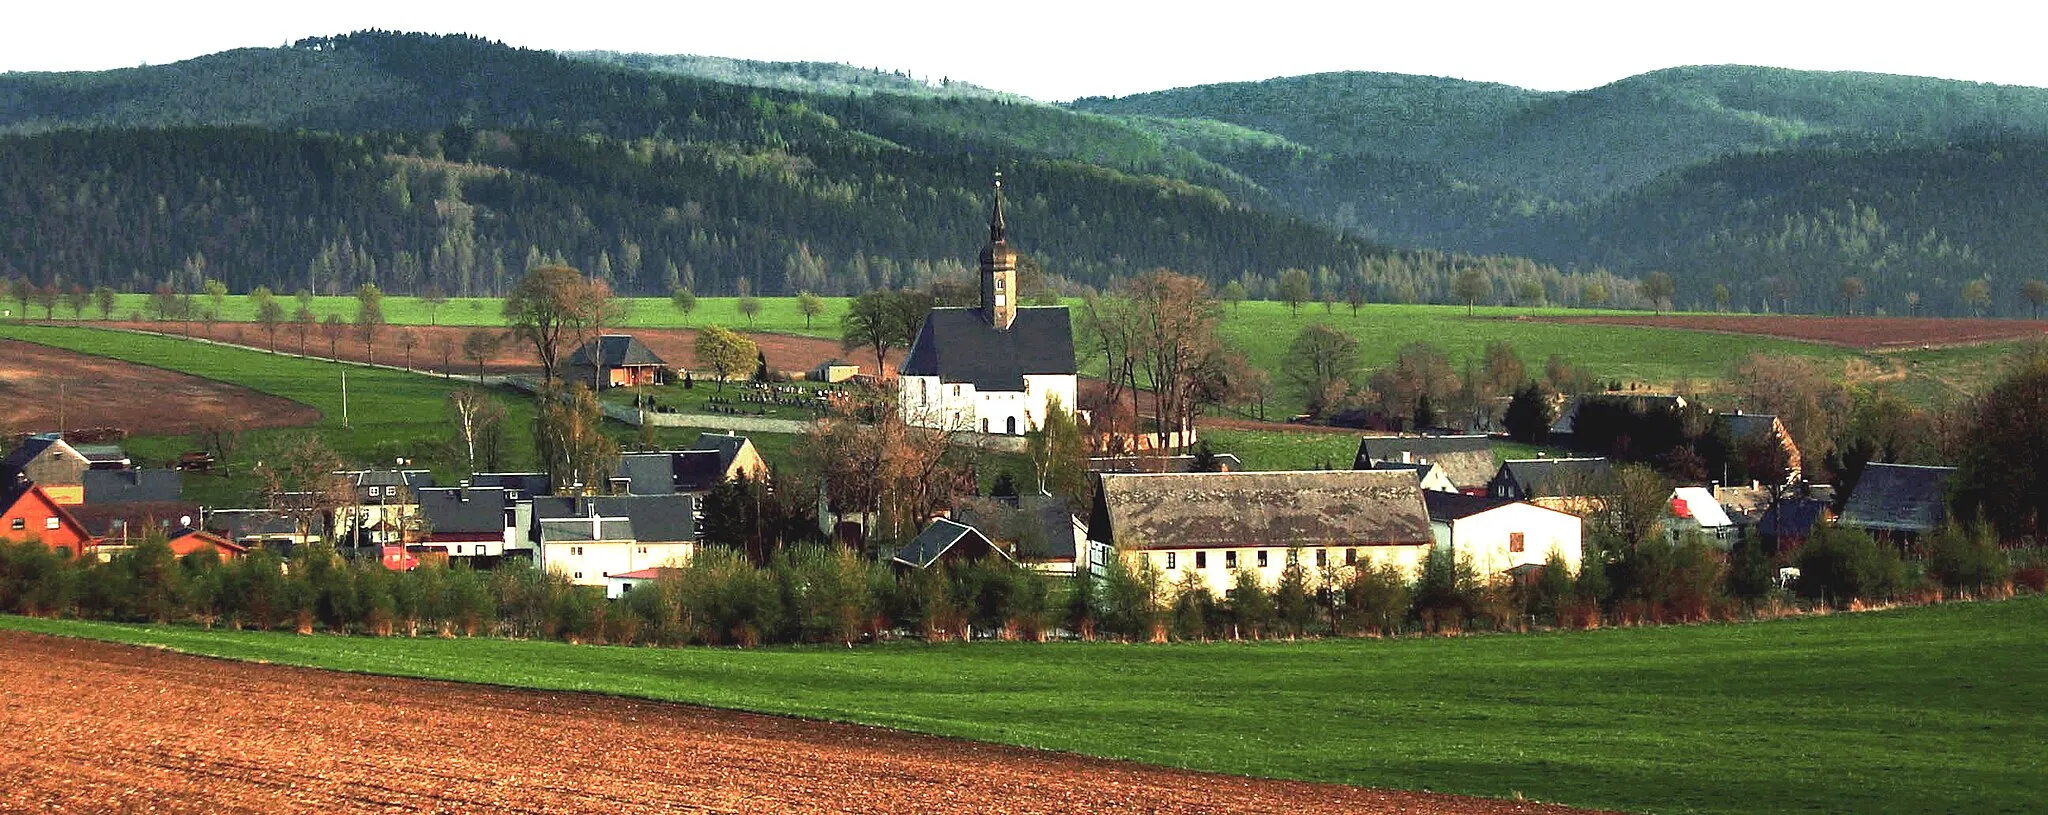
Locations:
column 579, row 576
column 18, row 523
column 1322, row 558
column 999, row 284
column 1171, row 562
column 625, row 587
column 458, row 548
column 924, row 390
column 1262, row 558
column 577, row 551
column 984, row 424
column 1000, row 299
column 1230, row 559
column 1515, row 541
column 50, row 522
column 1294, row 557
column 1010, row 425
column 643, row 550
column 956, row 390
column 1351, row 557
column 1201, row 560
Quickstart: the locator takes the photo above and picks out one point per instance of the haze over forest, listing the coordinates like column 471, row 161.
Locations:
column 455, row 162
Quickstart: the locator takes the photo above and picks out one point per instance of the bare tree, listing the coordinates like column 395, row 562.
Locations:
column 301, row 479
column 479, row 421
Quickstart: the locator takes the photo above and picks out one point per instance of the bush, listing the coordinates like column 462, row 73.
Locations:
column 1447, row 592
column 1293, row 605
column 1966, row 561
column 1841, row 566
column 1251, row 608
column 1130, row 598
column 1376, row 599
column 1195, row 615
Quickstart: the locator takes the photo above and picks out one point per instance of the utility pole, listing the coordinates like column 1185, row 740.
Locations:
column 344, row 398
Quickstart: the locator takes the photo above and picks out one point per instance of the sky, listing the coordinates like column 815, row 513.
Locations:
column 1056, row 50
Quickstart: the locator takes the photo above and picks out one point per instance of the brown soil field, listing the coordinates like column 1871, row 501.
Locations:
column 1867, row 333
column 92, row 727
column 138, row 399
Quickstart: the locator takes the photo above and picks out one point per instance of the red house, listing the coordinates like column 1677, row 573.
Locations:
column 29, row 514
column 187, row 541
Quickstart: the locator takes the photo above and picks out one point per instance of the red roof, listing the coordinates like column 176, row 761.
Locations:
column 644, row 574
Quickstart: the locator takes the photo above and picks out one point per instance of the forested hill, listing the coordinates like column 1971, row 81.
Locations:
column 1914, row 227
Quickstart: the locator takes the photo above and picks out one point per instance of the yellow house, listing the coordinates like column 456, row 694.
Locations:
column 1213, row 524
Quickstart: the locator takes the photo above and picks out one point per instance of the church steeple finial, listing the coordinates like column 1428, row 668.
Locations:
column 996, row 226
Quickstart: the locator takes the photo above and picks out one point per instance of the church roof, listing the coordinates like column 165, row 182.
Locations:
column 959, row 345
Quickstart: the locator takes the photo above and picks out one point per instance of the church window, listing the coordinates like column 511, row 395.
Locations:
column 1010, row 425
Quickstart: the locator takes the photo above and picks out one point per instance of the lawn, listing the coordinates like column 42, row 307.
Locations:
column 390, row 413
column 778, row 314
column 1917, row 710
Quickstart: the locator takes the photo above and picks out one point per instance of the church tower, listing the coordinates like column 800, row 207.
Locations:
column 998, row 270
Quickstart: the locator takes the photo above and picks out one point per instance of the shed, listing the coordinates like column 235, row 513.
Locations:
column 946, row 541
column 616, row 360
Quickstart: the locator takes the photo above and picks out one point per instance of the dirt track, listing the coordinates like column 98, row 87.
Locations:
column 90, row 727
column 144, row 401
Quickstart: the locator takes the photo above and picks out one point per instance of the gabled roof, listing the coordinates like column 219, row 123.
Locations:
column 1698, row 504
column 464, row 511
column 1307, row 508
column 727, row 445
column 32, row 447
column 615, row 351
column 1794, row 517
column 931, row 544
column 1466, row 460
column 1899, row 498
column 1039, row 526
column 209, row 538
column 1746, row 425
column 1451, row 506
column 133, row 517
column 1554, row 477
column 125, row 486
column 1567, row 415
column 250, row 523
column 572, row 530
column 672, row 471
column 20, row 490
column 102, row 453
column 959, row 345
column 664, row 518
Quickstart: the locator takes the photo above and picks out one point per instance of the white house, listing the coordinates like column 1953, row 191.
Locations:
column 1499, row 535
column 588, row 539
column 619, row 585
column 992, row 368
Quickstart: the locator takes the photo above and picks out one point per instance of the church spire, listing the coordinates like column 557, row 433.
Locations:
column 998, row 268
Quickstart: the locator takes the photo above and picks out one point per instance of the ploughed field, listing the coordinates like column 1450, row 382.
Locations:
column 96, row 727
column 1868, row 333
column 37, row 382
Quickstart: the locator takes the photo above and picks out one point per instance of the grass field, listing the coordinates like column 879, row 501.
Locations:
column 1281, row 450
column 391, row 413
column 1917, row 710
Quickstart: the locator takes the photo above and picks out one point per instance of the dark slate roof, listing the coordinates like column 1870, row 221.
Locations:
column 1040, row 527
column 1795, row 517
column 1451, row 506
column 1899, row 498
column 1555, row 477
column 1567, row 415
column 557, row 530
column 528, row 484
column 933, row 543
column 665, row 518
column 1216, row 510
column 1746, row 425
column 648, row 473
column 727, row 445
column 1158, row 464
column 616, row 351
column 464, row 511
column 30, row 447
column 102, row 453
column 959, row 345
column 122, row 486
column 107, row 520
column 243, row 523
column 1466, row 460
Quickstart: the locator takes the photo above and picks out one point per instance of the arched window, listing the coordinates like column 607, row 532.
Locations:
column 1010, row 425
column 984, row 424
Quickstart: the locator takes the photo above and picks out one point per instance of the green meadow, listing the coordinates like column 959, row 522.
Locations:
column 1920, row 710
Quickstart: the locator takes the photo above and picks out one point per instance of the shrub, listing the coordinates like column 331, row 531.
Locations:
column 1840, row 566
column 1965, row 560
column 1130, row 598
column 1195, row 613
column 1447, row 591
column 1251, row 608
column 1376, row 599
column 1293, row 604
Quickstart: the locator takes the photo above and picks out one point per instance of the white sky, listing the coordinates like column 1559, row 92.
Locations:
column 1058, row 49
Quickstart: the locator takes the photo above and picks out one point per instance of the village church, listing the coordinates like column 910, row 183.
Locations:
column 991, row 368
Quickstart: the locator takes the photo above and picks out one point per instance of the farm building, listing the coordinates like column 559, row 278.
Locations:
column 617, row 586
column 1899, row 500
column 587, row 539
column 1466, row 461
column 1211, row 524
column 471, row 521
column 1500, row 535
column 946, row 541
column 52, row 463
column 28, row 514
column 1037, row 531
column 992, row 368
column 614, row 361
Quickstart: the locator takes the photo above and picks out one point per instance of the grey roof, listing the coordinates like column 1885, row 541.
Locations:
column 937, row 539
column 1745, row 425
column 464, row 511
column 1040, row 527
column 1794, row 517
column 1451, row 506
column 1158, row 464
column 672, row 471
column 560, row 530
column 1553, row 477
column 244, row 523
column 616, row 351
column 528, row 484
column 133, row 517
column 1420, row 469
column 1567, row 415
column 101, row 453
column 1899, row 498
column 409, row 479
column 727, row 445
column 665, row 518
column 959, row 345
column 124, row 486
column 1466, row 460
column 1308, row 508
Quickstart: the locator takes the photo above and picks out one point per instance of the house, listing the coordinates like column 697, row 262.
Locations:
column 259, row 528
column 833, row 371
column 1524, row 479
column 1500, row 535
column 473, row 522
column 384, row 508
column 588, row 538
column 1467, row 461
column 1787, row 523
column 52, row 463
column 121, row 506
column 1764, row 430
column 614, row 361
column 28, row 514
column 1565, row 429
column 1430, row 477
column 946, row 542
column 1037, row 531
column 1694, row 510
column 992, row 368
column 1184, row 463
column 1899, row 500
column 189, row 541
column 617, row 586
column 1212, row 524
column 713, row 459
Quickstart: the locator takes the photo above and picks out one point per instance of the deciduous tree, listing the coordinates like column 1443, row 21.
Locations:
column 1319, row 356
column 1470, row 286
column 809, row 305
column 479, row 345
column 684, row 301
column 570, row 443
column 726, row 353
column 1294, row 289
column 555, row 309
